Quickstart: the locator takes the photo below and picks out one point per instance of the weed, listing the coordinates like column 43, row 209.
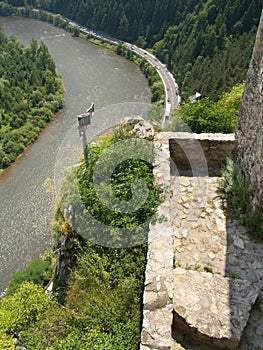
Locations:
column 208, row 269
column 258, row 304
column 237, row 192
column 234, row 275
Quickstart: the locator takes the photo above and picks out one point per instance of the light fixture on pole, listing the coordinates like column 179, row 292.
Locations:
column 84, row 120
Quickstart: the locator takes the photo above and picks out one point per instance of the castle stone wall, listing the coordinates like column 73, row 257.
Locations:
column 249, row 130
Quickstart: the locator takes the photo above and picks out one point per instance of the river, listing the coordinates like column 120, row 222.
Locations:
column 90, row 74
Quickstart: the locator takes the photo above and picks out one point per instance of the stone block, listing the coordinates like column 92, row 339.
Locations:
column 207, row 151
column 210, row 308
column 155, row 332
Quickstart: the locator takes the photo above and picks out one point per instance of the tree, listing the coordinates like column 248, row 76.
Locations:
column 23, row 309
column 208, row 116
column 28, row 82
column 75, row 31
column 123, row 26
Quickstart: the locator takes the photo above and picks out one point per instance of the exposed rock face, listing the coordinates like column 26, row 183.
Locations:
column 66, row 259
column 211, row 308
column 249, row 130
column 140, row 127
column 66, row 250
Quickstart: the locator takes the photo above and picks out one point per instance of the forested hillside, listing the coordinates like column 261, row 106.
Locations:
column 30, row 93
column 206, row 43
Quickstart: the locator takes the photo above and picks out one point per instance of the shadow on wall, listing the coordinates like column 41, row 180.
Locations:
column 199, row 154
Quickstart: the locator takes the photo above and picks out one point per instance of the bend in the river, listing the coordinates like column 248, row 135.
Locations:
column 90, row 74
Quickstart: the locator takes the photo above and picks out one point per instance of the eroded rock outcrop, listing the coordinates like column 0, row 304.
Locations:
column 141, row 127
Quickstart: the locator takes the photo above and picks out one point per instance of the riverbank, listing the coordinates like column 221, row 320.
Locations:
column 23, row 153
column 26, row 209
column 31, row 93
column 117, row 46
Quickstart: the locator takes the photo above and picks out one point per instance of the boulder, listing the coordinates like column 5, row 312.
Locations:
column 141, row 127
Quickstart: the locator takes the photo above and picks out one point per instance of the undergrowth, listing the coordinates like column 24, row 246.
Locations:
column 237, row 193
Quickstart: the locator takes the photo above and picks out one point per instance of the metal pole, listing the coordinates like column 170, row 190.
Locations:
column 84, row 143
column 84, row 120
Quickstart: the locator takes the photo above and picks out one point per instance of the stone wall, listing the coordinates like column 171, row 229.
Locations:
column 192, row 287
column 198, row 150
column 199, row 154
column 157, row 298
column 249, row 130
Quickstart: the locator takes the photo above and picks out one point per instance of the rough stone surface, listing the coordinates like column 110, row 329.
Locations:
column 205, row 242
column 157, row 300
column 200, row 154
column 211, row 308
column 140, row 126
column 217, row 244
column 249, row 130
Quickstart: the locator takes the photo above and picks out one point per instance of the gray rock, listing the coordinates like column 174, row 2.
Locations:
column 232, row 260
column 140, row 126
column 239, row 243
column 251, row 276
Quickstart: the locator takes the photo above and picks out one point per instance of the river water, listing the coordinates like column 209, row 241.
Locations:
column 90, row 74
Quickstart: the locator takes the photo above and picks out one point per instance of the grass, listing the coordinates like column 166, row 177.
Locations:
column 208, row 269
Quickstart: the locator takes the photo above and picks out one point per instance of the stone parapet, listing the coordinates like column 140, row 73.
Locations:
column 157, row 299
column 200, row 154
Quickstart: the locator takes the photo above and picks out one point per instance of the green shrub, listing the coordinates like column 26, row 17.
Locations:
column 208, row 116
column 23, row 310
column 237, row 193
column 103, row 208
column 37, row 271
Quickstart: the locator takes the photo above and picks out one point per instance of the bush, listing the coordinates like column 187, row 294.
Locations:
column 22, row 310
column 37, row 271
column 237, row 193
column 103, row 200
column 208, row 116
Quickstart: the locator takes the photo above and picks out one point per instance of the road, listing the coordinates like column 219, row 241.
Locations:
column 172, row 97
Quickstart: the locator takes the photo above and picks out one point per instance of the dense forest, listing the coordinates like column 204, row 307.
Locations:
column 31, row 93
column 207, row 44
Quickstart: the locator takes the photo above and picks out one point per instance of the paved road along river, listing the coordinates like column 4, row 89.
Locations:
column 90, row 74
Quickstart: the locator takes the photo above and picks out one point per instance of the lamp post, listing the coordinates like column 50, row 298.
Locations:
column 84, row 120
